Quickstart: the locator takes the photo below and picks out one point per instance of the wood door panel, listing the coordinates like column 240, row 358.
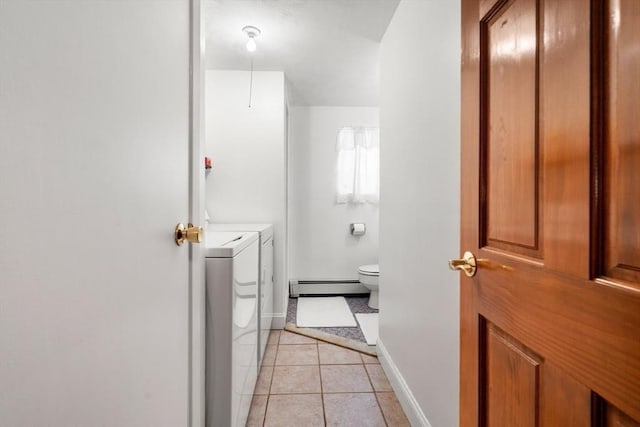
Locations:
column 616, row 418
column 563, row 400
column 540, row 392
column 510, row 140
column 580, row 326
column 512, row 375
column 486, row 6
column 622, row 155
column 565, row 133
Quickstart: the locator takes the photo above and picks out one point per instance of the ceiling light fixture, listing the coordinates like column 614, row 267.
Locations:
column 251, row 32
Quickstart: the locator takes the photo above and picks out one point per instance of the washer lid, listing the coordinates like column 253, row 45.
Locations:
column 370, row 270
column 265, row 230
column 227, row 244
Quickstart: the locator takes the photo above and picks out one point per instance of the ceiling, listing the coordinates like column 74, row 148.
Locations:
column 328, row 49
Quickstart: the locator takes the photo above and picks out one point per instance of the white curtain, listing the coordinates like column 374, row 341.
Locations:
column 358, row 168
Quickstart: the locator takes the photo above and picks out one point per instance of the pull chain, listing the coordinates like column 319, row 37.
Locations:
column 251, row 82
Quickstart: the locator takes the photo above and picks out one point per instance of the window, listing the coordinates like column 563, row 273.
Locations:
column 358, row 168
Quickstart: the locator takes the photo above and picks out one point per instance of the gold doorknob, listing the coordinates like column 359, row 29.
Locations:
column 190, row 233
column 468, row 264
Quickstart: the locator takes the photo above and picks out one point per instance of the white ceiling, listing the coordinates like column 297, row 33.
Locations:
column 328, row 49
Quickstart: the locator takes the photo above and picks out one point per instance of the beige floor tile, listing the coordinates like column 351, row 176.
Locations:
column 378, row 378
column 295, row 379
column 294, row 411
column 334, row 355
column 287, row 337
column 274, row 337
column 392, row 410
column 353, row 410
column 269, row 357
column 256, row 414
column 344, row 378
column 369, row 359
column 298, row 354
column 264, row 380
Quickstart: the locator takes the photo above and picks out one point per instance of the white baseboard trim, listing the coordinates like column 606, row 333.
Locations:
column 408, row 402
column 279, row 320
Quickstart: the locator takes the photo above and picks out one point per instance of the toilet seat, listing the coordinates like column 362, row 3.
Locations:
column 369, row 270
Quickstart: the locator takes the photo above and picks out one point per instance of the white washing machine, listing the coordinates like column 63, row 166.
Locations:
column 265, row 292
column 231, row 325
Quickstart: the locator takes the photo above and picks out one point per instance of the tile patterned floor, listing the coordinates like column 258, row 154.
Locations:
column 305, row 382
column 357, row 304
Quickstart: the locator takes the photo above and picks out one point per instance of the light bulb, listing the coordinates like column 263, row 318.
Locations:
column 251, row 45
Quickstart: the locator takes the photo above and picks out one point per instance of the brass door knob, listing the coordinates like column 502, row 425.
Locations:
column 468, row 264
column 190, row 233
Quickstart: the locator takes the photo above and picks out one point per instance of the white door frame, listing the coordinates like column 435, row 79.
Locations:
column 196, row 351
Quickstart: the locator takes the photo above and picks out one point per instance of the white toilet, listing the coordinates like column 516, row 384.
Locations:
column 368, row 276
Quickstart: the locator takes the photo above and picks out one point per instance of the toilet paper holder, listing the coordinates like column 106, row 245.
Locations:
column 358, row 228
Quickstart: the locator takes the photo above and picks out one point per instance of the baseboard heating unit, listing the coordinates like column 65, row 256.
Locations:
column 325, row 287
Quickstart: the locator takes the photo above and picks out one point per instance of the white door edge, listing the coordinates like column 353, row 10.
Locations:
column 196, row 351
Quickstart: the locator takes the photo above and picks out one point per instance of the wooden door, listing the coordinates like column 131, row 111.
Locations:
column 550, row 324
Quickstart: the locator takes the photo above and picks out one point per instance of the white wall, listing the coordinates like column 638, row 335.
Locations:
column 419, row 220
column 321, row 244
column 248, row 149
